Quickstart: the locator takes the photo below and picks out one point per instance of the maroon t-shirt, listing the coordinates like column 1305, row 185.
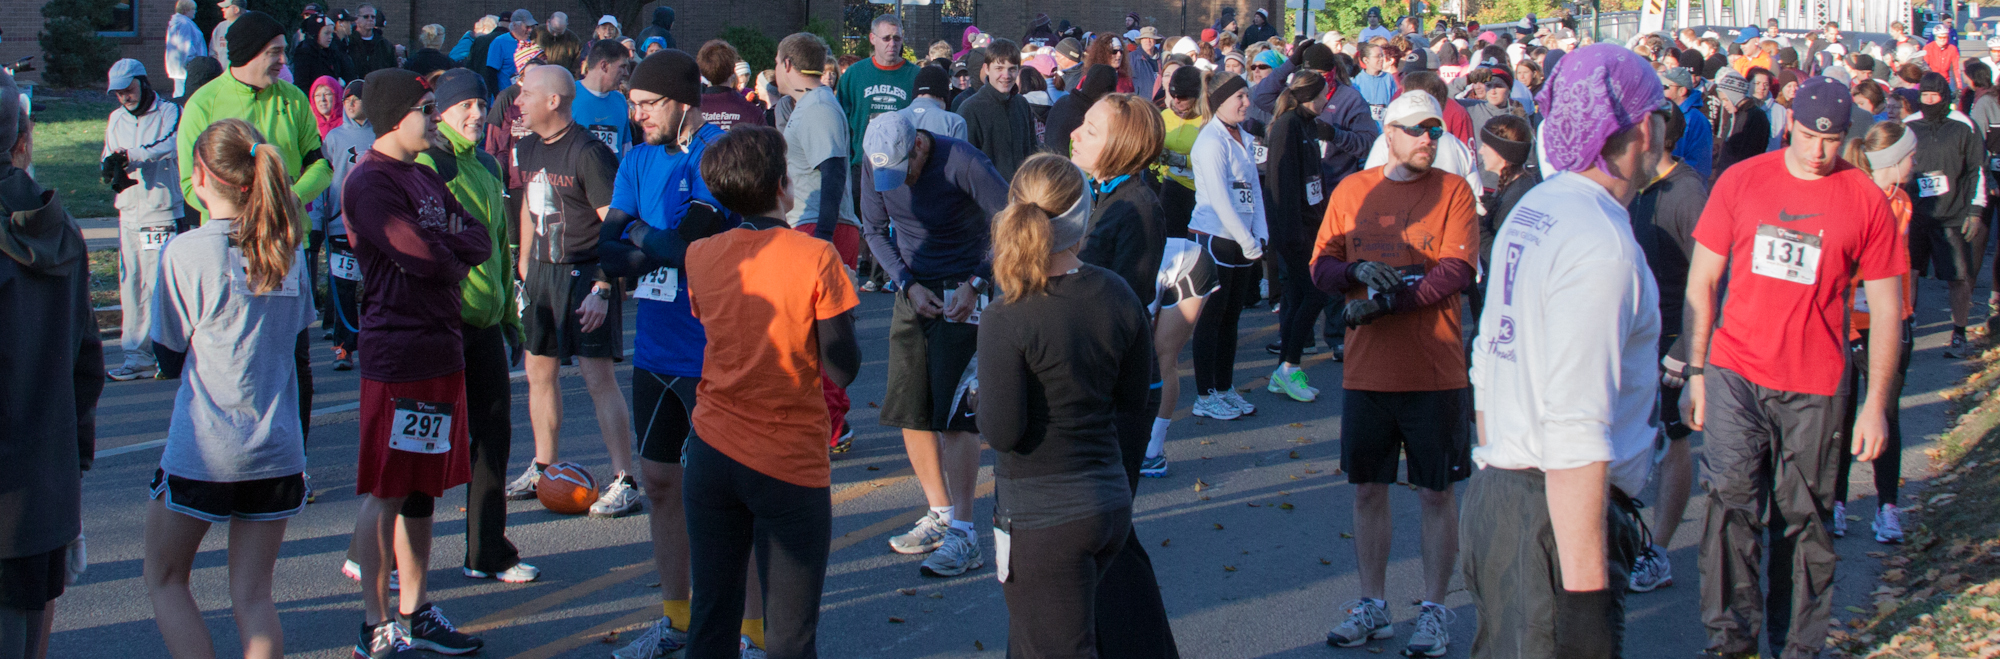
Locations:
column 725, row 108
column 398, row 219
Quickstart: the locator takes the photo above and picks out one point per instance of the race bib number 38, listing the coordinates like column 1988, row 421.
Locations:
column 420, row 427
column 1785, row 254
column 1243, row 197
column 662, row 285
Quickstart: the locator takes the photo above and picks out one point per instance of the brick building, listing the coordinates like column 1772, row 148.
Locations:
column 21, row 20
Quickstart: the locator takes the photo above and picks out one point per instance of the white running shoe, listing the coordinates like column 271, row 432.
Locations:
column 1292, row 385
column 659, row 641
column 1652, row 571
column 1888, row 525
column 1213, row 406
column 1839, row 528
column 620, row 498
column 749, row 650
column 924, row 537
column 958, row 555
column 1235, row 399
column 352, row 571
column 1366, row 620
column 520, row 573
column 1431, row 639
column 130, row 370
column 1154, row 467
column 523, row 488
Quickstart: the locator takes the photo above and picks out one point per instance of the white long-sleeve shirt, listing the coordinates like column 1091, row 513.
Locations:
column 148, row 141
column 184, row 42
column 1228, row 197
column 1565, row 368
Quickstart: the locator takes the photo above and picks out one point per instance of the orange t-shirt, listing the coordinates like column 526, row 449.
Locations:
column 1412, row 226
column 1900, row 207
column 758, row 295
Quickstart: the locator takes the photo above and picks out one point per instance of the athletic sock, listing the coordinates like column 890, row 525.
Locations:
column 755, row 630
column 943, row 512
column 1958, row 331
column 1287, row 369
column 678, row 613
column 963, row 526
column 541, row 467
column 1157, row 446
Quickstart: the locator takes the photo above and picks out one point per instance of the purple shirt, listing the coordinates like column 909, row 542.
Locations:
column 724, row 108
column 399, row 218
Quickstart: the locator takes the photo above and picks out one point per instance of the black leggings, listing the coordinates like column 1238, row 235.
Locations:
column 489, row 421
column 1302, row 301
column 1216, row 329
column 1051, row 588
column 1888, row 465
column 735, row 509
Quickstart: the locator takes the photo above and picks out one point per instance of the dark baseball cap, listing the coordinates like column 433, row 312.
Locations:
column 1823, row 105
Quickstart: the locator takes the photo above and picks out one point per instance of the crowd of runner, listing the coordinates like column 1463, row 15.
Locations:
column 1057, row 217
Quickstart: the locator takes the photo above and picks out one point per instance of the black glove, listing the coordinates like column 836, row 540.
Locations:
column 1376, row 275
column 702, row 221
column 114, row 171
column 1298, row 57
column 1589, row 625
column 1364, row 311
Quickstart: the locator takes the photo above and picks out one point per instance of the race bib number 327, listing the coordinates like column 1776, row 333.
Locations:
column 420, row 427
column 1785, row 254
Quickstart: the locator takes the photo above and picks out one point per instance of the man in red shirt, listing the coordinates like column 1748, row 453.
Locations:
column 1793, row 228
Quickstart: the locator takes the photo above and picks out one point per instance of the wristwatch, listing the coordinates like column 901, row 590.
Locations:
column 1691, row 371
column 601, row 292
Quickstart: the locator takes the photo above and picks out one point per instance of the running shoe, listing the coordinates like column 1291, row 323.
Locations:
column 845, row 441
column 1366, row 620
column 750, row 650
column 890, row 287
column 924, row 538
column 958, row 555
column 429, row 630
column 1154, row 467
column 311, row 496
column 869, row 286
column 523, row 488
column 343, row 360
column 352, row 571
column 326, row 335
column 1959, row 347
column 1339, row 350
column 1431, row 638
column 659, row 641
column 1889, row 525
column 520, row 573
column 1839, row 529
column 1214, row 407
column 1278, row 348
column 1235, row 399
column 620, row 498
column 388, row 640
column 1652, row 571
column 1293, row 385
column 128, row 371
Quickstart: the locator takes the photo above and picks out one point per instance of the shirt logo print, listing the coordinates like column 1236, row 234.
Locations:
column 1788, row 217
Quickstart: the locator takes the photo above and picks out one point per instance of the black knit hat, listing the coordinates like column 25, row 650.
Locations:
column 670, row 73
column 1186, row 83
column 248, row 36
column 457, row 86
column 391, row 95
column 1317, row 57
column 933, row 81
column 1098, row 80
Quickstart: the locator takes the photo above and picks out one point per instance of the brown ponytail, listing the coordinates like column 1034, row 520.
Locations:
column 1045, row 186
column 252, row 175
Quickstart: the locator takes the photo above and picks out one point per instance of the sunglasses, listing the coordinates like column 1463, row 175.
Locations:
column 1434, row 132
column 429, row 109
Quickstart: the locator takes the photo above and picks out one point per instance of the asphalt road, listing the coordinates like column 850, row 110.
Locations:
column 1242, row 575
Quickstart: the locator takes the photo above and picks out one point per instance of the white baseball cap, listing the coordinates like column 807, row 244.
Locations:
column 613, row 20
column 1412, row 108
column 123, row 72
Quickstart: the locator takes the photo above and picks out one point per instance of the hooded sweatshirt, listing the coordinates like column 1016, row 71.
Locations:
column 51, row 368
column 473, row 176
column 1002, row 126
column 662, row 27
column 1945, row 176
column 1039, row 33
column 146, row 135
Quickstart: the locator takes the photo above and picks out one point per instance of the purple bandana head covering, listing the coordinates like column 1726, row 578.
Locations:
column 1595, row 93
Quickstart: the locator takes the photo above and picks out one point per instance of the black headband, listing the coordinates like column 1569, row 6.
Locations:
column 1511, row 151
column 1222, row 92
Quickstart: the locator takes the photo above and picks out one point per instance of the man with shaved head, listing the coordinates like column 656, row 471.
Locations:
column 572, row 310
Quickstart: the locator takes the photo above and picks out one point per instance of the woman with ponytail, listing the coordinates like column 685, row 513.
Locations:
column 1887, row 154
column 1228, row 223
column 232, row 296
column 1064, row 362
column 1298, row 199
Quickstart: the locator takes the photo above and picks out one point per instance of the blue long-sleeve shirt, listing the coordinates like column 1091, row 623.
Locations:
column 942, row 215
column 1353, row 125
column 1697, row 145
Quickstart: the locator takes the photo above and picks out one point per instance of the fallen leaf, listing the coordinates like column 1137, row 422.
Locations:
column 1347, row 536
column 1877, row 554
column 1295, row 477
column 906, row 592
column 1243, row 448
column 1228, row 568
column 937, row 596
column 1166, row 542
column 1295, row 455
column 872, row 404
column 1218, row 526
column 976, row 645
column 1204, row 498
column 609, row 638
column 1892, row 576
column 1206, row 442
column 874, row 468
column 1253, row 505
column 1375, row 650
column 1325, row 562
column 895, row 620
column 1315, row 471
column 1295, row 425
column 461, row 509
column 1856, row 609
column 1283, row 493
column 1285, row 506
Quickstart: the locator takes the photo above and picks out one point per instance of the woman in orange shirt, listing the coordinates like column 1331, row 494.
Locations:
column 1886, row 153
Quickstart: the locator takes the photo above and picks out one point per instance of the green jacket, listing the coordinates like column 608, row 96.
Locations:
column 474, row 178
column 280, row 112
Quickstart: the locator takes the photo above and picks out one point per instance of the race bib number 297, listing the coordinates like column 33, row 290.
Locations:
column 420, row 427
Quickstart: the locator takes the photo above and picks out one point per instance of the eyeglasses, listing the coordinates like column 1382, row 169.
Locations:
column 1434, row 132
column 651, row 105
column 430, row 109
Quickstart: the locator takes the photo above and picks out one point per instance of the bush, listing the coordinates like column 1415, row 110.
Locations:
column 73, row 54
column 753, row 46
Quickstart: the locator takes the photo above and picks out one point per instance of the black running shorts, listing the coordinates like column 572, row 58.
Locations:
column 1428, row 428
column 552, row 328
column 262, row 500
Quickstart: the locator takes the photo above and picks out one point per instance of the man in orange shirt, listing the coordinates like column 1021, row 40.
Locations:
column 1398, row 242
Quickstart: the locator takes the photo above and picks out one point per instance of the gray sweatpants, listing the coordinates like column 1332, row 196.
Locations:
column 1773, row 455
column 1508, row 558
column 139, row 244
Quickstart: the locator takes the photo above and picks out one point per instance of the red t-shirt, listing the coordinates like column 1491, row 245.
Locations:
column 1794, row 249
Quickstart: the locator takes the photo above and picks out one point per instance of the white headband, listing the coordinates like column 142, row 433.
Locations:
column 1894, row 153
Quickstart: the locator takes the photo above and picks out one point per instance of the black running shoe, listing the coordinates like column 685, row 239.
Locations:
column 430, row 630
column 385, row 641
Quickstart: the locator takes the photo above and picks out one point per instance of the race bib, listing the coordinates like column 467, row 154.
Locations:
column 1314, row 194
column 1243, row 197
column 662, row 285
column 1861, row 299
column 978, row 306
column 1261, row 152
column 1932, row 184
column 1376, row 112
column 420, row 427
column 1003, row 549
column 151, row 238
column 1785, row 254
column 343, row 266
column 239, row 278
column 608, row 135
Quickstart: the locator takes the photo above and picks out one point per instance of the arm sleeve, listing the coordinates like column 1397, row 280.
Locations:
column 1003, row 386
column 1454, row 271
column 1450, row 277
column 875, row 227
column 170, row 308
column 314, row 172
column 1329, row 261
column 832, row 190
column 164, row 147
column 1588, row 310
column 418, row 252
column 193, row 120
column 617, row 256
column 957, row 127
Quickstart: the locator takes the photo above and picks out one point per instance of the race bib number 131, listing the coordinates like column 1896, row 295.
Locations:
column 1785, row 254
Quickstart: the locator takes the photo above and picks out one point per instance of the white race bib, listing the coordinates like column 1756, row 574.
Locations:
column 343, row 266
column 1861, row 299
column 420, row 427
column 151, row 238
column 978, row 306
column 1314, row 194
column 1243, row 197
column 1376, row 112
column 1261, row 152
column 662, row 285
column 1785, row 254
column 1932, row 184
column 239, row 277
column 1003, row 548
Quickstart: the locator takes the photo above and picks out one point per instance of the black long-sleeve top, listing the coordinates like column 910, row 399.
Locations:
column 1346, row 125
column 1126, row 236
column 1292, row 161
column 1058, row 371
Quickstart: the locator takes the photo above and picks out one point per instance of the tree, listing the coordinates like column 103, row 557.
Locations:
column 73, row 54
column 756, row 48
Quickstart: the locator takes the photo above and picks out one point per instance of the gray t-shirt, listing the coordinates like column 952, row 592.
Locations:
column 815, row 131
column 236, row 416
column 343, row 147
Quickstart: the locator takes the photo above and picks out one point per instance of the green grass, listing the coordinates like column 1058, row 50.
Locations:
column 69, row 138
column 104, row 278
